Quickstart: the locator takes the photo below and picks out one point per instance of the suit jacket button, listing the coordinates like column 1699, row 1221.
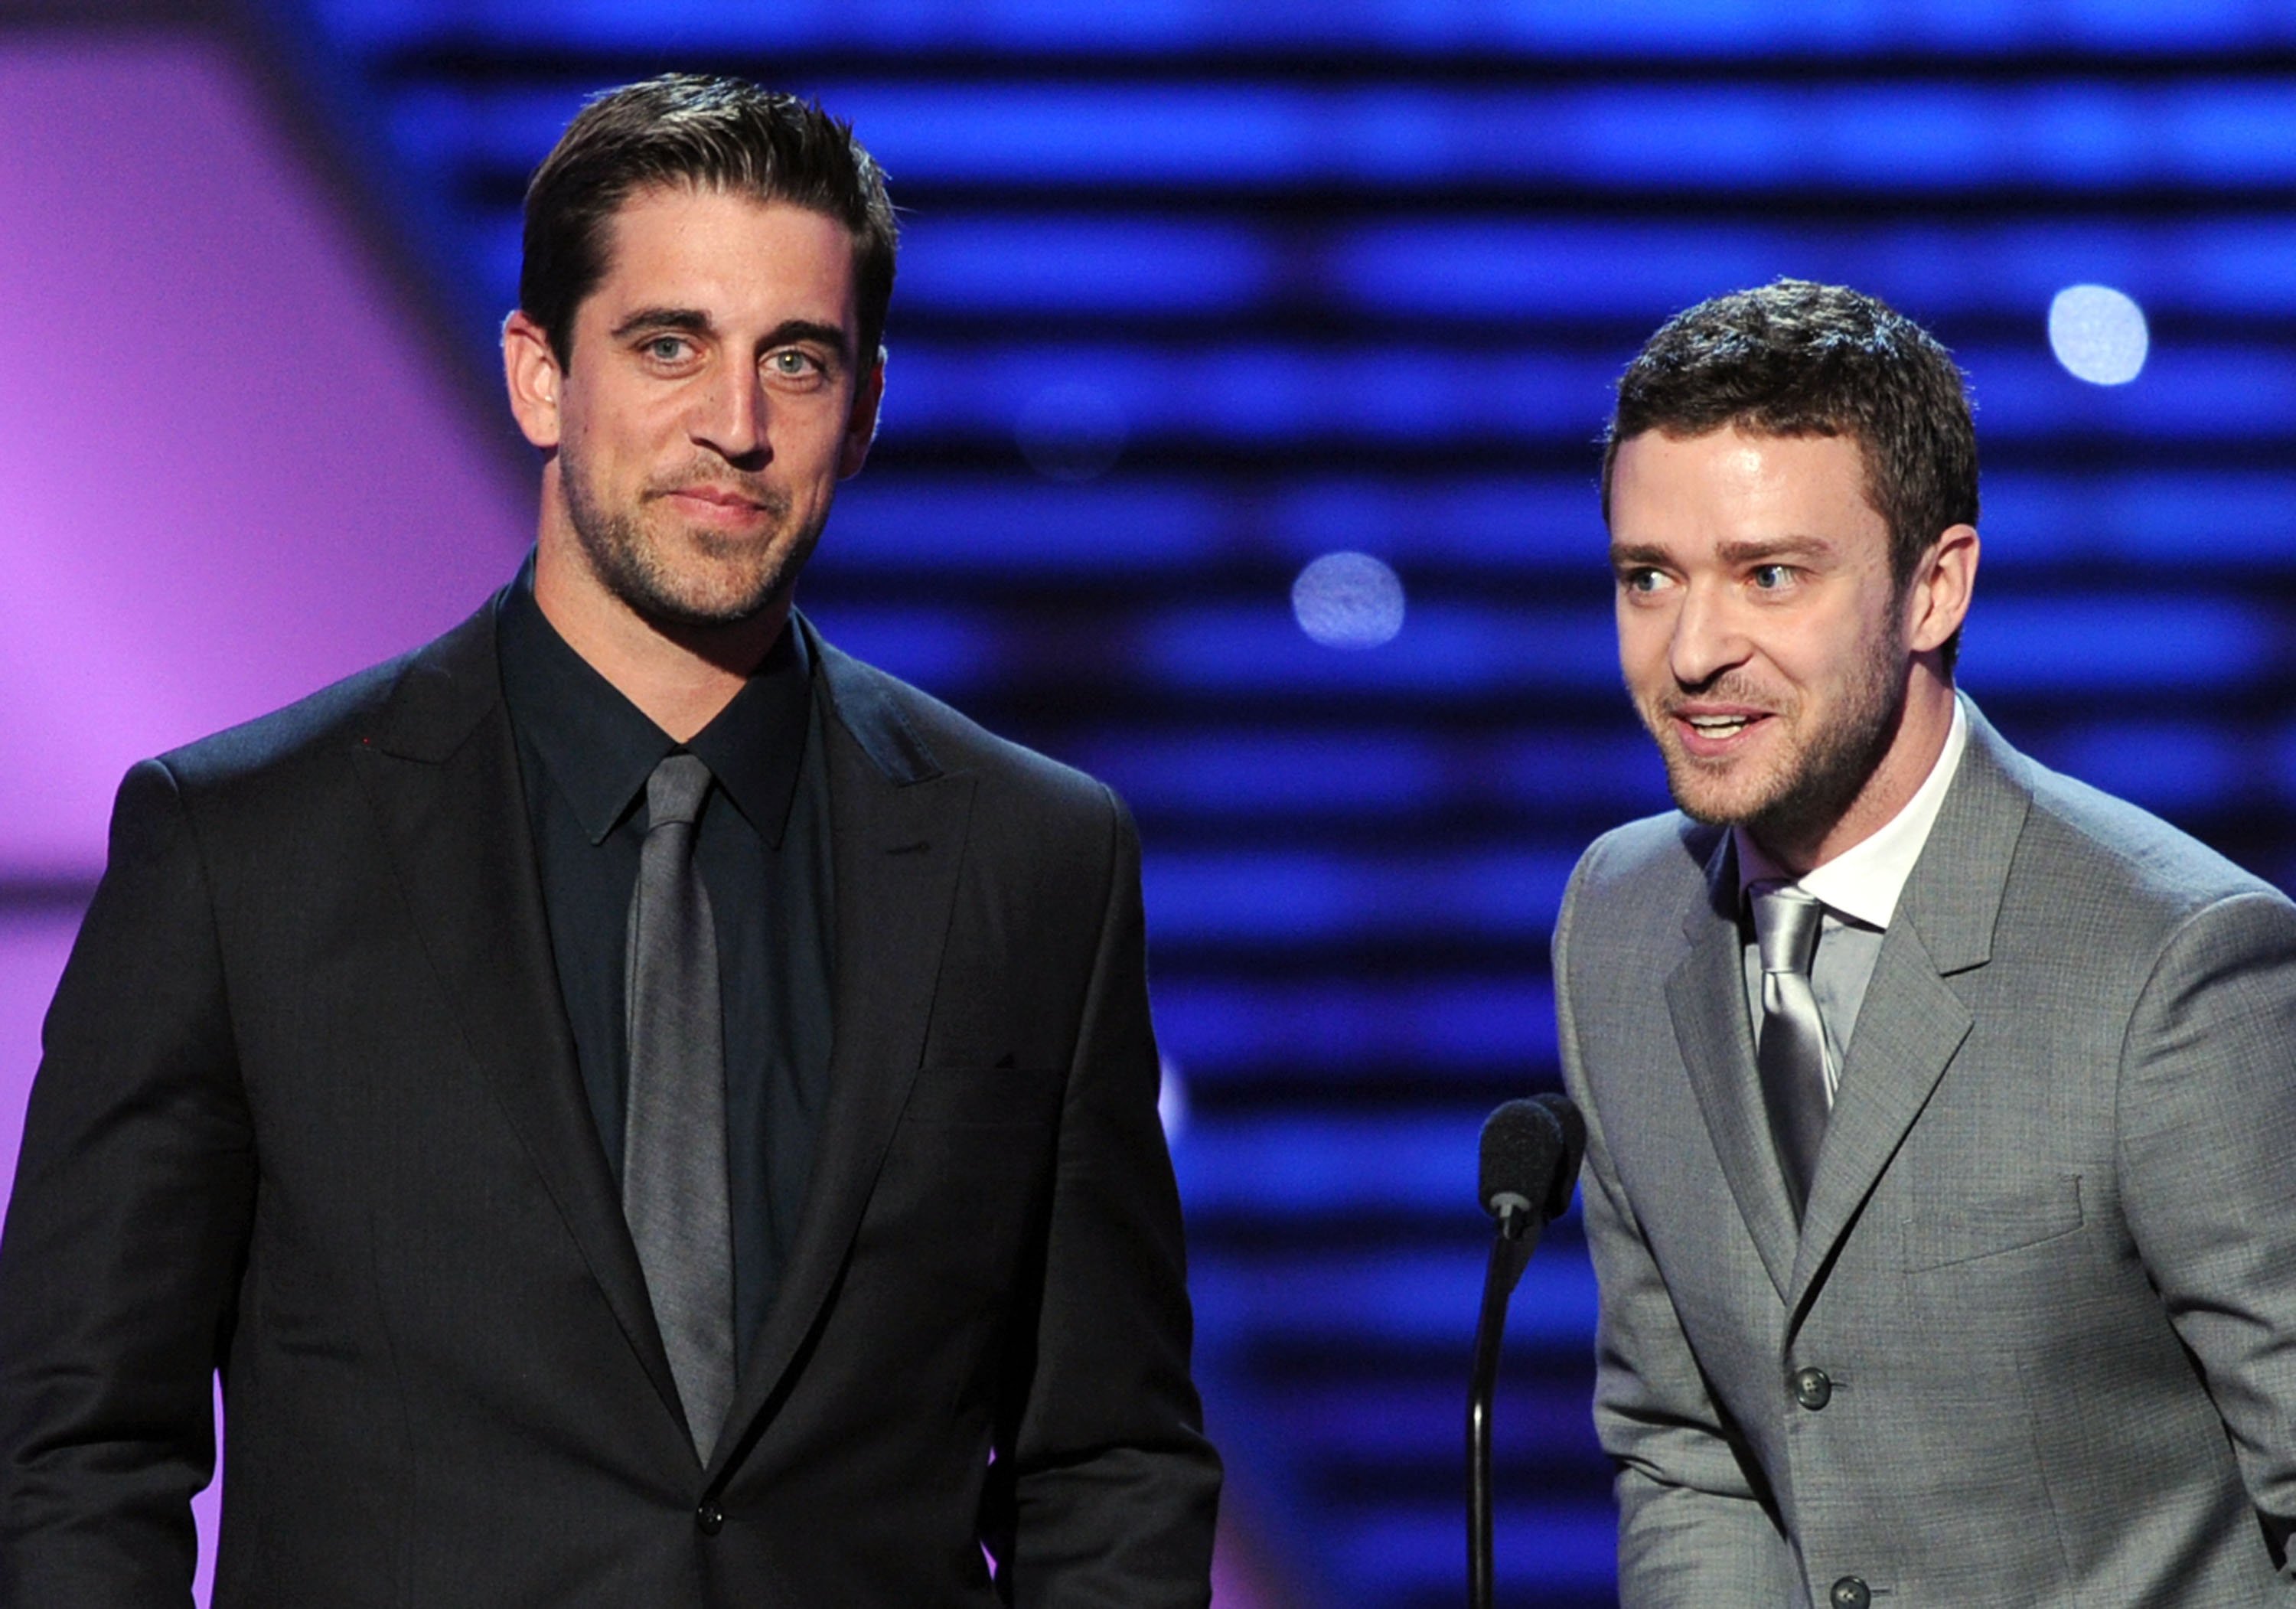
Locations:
column 1813, row 1391
column 1850, row 1593
column 710, row 1518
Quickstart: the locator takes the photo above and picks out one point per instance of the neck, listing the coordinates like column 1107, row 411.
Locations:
column 678, row 675
column 1922, row 727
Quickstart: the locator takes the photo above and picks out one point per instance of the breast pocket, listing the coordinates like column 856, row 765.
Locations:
column 959, row 1200
column 1964, row 1229
column 984, row 1097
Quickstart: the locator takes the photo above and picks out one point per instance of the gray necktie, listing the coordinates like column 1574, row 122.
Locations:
column 1791, row 1053
column 673, row 1142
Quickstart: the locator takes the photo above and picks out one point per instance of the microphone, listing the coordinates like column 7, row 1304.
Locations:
column 1522, row 1142
column 1531, row 1150
column 1574, row 1151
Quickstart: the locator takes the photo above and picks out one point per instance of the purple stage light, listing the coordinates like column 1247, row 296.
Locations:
column 230, row 471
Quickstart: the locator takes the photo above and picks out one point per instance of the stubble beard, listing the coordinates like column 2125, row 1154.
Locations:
column 737, row 579
column 1811, row 786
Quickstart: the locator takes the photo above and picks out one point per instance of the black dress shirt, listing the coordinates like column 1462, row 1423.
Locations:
column 585, row 752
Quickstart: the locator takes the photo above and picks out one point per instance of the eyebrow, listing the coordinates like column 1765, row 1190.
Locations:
column 1768, row 548
column 690, row 319
column 1625, row 554
column 693, row 321
column 806, row 329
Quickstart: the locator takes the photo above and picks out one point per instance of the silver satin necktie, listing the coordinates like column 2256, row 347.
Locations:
column 674, row 1191
column 1790, row 1052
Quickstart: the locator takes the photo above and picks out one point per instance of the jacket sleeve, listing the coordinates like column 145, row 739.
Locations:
column 2206, row 1123
column 124, row 1234
column 1113, row 1487
column 1694, row 1528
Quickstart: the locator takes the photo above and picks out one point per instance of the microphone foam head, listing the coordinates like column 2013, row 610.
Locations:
column 1574, row 1151
column 1523, row 1143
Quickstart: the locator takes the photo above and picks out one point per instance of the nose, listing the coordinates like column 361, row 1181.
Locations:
column 730, row 417
column 1708, row 638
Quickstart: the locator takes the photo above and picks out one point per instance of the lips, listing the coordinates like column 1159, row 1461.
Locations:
column 717, row 496
column 1710, row 731
column 720, row 511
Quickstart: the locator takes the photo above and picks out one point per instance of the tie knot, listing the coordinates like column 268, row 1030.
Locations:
column 1785, row 926
column 675, row 790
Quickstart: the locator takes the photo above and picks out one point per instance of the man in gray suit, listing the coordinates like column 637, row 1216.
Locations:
column 1942, row 1111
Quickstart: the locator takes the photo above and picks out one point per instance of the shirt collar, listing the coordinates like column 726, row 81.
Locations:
column 1863, row 882
column 600, row 748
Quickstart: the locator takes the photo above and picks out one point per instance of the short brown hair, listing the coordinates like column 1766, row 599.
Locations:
column 706, row 132
column 1798, row 358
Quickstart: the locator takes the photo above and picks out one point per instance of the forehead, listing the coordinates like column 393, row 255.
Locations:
column 1731, row 484
column 720, row 251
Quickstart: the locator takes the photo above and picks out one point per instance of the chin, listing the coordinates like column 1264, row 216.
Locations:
column 707, row 609
column 1713, row 812
column 704, row 591
column 1717, row 798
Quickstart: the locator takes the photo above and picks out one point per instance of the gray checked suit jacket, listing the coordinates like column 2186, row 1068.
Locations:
column 2046, row 1280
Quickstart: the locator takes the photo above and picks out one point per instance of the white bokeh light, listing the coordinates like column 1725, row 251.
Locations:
column 2098, row 334
column 1349, row 600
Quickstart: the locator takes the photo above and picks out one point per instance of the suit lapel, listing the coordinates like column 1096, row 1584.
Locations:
column 1907, row 1031
column 441, row 768
column 1913, row 1021
column 1706, row 996
column 897, row 826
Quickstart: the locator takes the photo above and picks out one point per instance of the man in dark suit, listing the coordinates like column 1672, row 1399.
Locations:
column 1941, row 1110
column 640, row 1107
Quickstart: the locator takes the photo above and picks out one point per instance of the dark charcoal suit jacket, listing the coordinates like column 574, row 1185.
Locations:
column 309, row 1112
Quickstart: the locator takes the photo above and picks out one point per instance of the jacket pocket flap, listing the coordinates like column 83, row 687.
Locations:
column 1964, row 1230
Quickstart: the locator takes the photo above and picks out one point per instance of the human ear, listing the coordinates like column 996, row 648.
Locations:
column 1938, row 601
column 530, row 372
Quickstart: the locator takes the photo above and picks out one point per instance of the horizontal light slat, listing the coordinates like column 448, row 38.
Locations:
column 1479, row 29
column 1276, row 896
column 1213, row 1029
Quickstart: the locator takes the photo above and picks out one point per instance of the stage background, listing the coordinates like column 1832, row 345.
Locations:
column 1194, row 297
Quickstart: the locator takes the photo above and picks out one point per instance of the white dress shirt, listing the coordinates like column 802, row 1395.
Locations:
column 1859, row 889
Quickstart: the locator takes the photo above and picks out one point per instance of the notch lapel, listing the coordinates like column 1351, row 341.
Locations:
column 1907, row 1032
column 898, row 827
column 440, row 767
column 1913, row 1021
column 1706, row 996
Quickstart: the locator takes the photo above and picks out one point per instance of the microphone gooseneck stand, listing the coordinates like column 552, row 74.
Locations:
column 1511, row 1250
column 1530, row 1153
